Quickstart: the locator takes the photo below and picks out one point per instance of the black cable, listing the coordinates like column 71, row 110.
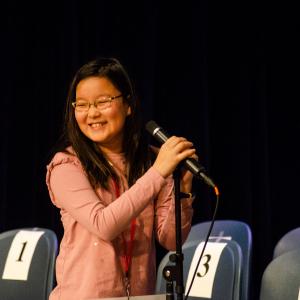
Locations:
column 206, row 240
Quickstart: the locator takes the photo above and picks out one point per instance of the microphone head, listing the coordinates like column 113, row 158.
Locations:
column 151, row 126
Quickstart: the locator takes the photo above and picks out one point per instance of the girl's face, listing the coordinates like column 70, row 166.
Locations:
column 103, row 125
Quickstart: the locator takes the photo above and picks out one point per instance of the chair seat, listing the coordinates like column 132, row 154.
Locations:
column 290, row 241
column 224, row 279
column 27, row 259
column 281, row 278
column 237, row 231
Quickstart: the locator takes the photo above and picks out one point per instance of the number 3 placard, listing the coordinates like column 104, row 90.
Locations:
column 203, row 283
column 20, row 255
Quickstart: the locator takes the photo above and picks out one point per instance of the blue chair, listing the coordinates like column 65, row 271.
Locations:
column 27, row 263
column 237, row 231
column 225, row 279
column 281, row 278
column 290, row 241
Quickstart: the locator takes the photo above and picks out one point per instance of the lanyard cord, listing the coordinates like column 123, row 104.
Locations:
column 128, row 246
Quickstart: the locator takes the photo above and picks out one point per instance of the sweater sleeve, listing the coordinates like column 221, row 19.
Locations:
column 70, row 190
column 165, row 216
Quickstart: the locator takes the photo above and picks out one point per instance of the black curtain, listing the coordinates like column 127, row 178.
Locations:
column 225, row 76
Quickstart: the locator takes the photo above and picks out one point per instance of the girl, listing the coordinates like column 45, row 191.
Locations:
column 114, row 195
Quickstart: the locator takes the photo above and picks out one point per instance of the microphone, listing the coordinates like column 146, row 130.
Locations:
column 189, row 163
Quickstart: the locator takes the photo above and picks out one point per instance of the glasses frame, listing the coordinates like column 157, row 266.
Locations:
column 108, row 99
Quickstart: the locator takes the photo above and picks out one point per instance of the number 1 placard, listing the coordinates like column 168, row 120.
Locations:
column 20, row 255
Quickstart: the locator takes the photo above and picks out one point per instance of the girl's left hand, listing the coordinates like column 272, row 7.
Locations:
column 187, row 179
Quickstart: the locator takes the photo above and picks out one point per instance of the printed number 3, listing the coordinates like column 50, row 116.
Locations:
column 206, row 265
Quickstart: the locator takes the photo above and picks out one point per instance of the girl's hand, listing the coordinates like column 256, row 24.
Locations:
column 187, row 178
column 171, row 153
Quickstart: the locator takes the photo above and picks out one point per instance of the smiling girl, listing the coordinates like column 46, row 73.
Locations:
column 115, row 196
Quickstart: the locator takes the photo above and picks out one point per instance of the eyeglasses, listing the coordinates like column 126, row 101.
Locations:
column 100, row 103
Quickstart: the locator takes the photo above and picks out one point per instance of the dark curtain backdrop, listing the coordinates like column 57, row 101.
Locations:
column 224, row 75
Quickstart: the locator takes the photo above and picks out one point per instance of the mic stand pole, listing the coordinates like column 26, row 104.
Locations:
column 175, row 273
column 179, row 256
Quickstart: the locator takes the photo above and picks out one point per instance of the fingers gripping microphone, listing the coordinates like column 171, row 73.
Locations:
column 189, row 163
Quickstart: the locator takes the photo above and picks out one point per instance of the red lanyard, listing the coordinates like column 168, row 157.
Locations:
column 128, row 246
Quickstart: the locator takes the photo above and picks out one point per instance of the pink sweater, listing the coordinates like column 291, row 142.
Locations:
column 88, row 264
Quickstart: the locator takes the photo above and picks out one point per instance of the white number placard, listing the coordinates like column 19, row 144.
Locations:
column 299, row 294
column 203, row 282
column 20, row 255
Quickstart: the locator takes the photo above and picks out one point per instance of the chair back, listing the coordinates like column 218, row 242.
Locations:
column 237, row 231
column 218, row 274
column 290, row 241
column 281, row 278
column 27, row 263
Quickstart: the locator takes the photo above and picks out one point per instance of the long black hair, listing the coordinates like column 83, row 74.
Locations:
column 137, row 153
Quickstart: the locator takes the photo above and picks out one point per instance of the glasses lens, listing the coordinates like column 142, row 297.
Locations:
column 102, row 104
column 82, row 105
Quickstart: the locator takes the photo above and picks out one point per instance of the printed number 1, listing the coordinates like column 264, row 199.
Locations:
column 22, row 251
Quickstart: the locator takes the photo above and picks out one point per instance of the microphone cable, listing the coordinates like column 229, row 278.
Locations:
column 206, row 240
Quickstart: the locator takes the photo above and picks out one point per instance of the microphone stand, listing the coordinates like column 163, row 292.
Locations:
column 179, row 288
column 175, row 273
